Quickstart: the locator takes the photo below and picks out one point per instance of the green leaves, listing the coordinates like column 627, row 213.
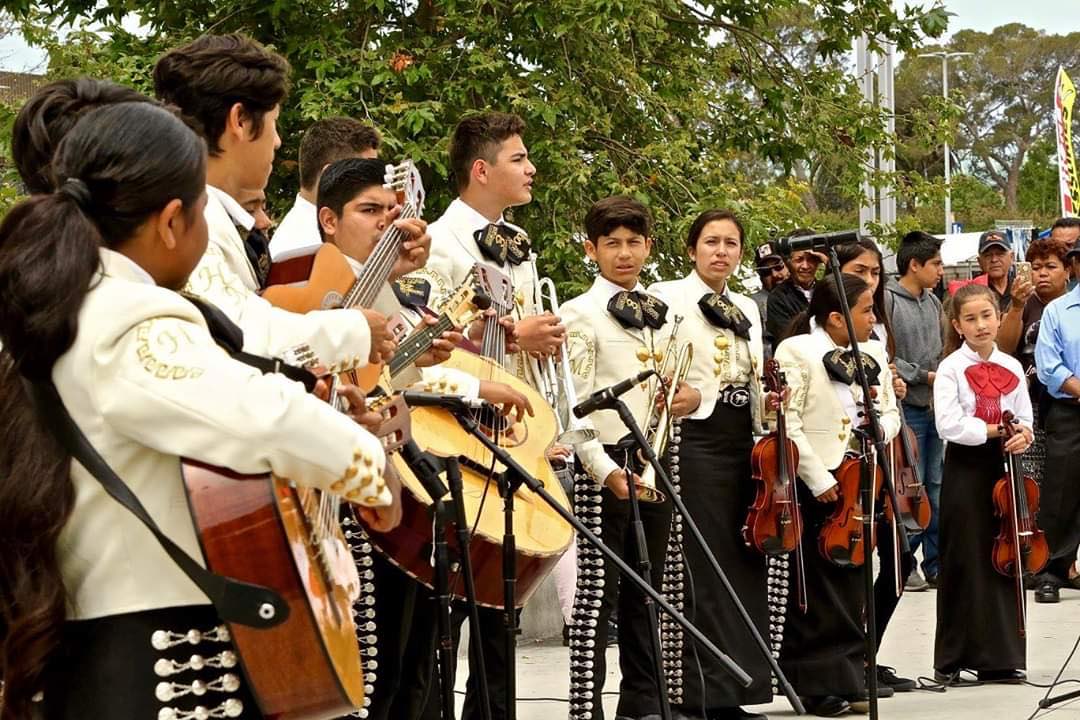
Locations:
column 685, row 105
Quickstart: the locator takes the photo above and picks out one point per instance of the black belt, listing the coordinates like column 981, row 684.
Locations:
column 735, row 396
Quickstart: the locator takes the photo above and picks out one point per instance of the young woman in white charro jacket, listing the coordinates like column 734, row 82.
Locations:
column 822, row 652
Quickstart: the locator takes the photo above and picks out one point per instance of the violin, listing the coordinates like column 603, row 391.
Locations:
column 774, row 523
column 911, row 495
column 1020, row 546
column 842, row 540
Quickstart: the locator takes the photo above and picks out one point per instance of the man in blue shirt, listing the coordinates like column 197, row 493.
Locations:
column 1057, row 357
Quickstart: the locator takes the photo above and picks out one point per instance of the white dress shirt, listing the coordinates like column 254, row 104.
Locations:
column 148, row 385
column 298, row 232
column 954, row 400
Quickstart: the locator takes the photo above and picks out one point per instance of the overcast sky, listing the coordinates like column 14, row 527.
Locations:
column 1058, row 16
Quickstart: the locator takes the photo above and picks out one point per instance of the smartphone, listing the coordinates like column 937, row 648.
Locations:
column 1023, row 270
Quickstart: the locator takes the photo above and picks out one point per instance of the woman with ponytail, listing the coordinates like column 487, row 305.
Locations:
column 822, row 652
column 92, row 610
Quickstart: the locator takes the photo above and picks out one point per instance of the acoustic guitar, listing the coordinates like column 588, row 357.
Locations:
column 265, row 530
column 542, row 536
column 327, row 280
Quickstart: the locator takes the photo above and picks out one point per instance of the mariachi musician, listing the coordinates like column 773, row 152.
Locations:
column 711, row 464
column 616, row 331
column 823, row 649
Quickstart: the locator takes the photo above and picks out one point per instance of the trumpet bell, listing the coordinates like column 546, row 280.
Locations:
column 576, row 436
column 648, row 493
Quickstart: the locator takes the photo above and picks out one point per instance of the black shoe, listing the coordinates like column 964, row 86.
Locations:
column 933, row 580
column 883, row 691
column 1047, row 593
column 887, row 677
column 826, row 706
column 1004, row 677
column 565, row 635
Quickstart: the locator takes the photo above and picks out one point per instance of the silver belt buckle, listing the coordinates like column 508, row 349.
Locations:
column 736, row 397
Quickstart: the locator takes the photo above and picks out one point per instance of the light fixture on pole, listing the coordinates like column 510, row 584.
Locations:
column 948, row 158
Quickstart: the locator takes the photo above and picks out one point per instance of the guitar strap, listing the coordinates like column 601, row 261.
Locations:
column 235, row 601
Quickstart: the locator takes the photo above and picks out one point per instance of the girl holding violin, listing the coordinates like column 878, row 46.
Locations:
column 720, row 400
column 822, row 650
column 863, row 259
column 978, row 614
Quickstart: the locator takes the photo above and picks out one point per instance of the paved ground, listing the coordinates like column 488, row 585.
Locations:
column 1053, row 630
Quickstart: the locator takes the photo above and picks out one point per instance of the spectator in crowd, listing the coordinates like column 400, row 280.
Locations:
column 915, row 312
column 792, row 296
column 1050, row 275
column 996, row 260
column 771, row 271
column 1057, row 360
column 1066, row 229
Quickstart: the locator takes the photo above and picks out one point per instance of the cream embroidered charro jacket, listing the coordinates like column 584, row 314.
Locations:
column 147, row 384
column 225, row 278
column 721, row 358
column 602, row 352
column 822, row 413
column 454, row 251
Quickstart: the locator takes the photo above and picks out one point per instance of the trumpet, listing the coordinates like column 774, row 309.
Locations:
column 661, row 430
column 554, row 380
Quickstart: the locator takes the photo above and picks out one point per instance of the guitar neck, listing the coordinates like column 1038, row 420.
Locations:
column 378, row 266
column 417, row 344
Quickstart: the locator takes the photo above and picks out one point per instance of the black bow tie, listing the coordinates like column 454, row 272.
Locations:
column 723, row 313
column 412, row 291
column 257, row 247
column 503, row 244
column 840, row 364
column 637, row 310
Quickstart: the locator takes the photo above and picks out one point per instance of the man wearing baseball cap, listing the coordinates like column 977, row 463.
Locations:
column 996, row 259
column 1057, row 359
column 771, row 271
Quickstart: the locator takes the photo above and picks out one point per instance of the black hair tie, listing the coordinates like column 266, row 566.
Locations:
column 76, row 189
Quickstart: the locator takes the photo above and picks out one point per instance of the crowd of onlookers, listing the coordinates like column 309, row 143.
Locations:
column 1040, row 326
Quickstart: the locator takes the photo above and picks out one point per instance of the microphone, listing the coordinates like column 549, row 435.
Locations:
column 788, row 245
column 453, row 403
column 602, row 399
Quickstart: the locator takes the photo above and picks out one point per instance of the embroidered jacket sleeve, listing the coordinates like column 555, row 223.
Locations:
column 795, row 364
column 582, row 351
column 340, row 338
column 166, row 385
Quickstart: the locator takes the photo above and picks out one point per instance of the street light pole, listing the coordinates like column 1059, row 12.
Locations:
column 948, row 156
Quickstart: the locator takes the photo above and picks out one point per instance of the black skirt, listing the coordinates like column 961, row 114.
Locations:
column 716, row 485
column 977, row 614
column 138, row 665
column 823, row 650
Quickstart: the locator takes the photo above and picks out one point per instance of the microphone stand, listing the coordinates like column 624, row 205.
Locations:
column 867, row 481
column 509, row 481
column 639, row 437
column 428, row 468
